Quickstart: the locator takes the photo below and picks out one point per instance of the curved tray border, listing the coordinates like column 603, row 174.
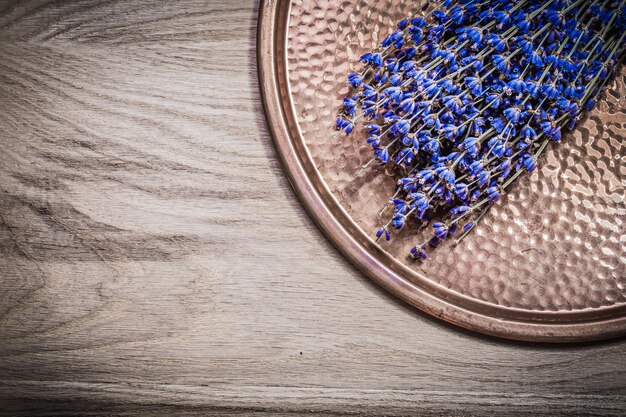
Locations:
column 360, row 249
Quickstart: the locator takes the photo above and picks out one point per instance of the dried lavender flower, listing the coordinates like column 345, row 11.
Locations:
column 464, row 100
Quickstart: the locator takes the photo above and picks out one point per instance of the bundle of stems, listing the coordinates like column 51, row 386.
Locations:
column 462, row 101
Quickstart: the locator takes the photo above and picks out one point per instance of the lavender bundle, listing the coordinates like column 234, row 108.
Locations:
column 464, row 100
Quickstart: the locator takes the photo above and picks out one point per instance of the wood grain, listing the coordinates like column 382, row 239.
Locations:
column 154, row 260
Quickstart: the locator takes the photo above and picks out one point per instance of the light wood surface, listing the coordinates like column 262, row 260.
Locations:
column 155, row 261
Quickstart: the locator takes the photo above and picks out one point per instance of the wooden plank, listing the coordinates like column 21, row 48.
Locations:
column 141, row 397
column 154, row 258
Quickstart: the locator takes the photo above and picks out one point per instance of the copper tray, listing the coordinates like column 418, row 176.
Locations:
column 548, row 261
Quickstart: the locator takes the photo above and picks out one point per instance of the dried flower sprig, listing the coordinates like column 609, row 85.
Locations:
column 464, row 100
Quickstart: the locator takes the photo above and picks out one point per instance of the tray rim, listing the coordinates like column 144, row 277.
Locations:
column 349, row 239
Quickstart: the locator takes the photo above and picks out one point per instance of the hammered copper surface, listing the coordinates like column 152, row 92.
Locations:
column 553, row 250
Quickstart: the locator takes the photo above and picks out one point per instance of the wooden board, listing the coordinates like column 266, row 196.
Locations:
column 154, row 259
